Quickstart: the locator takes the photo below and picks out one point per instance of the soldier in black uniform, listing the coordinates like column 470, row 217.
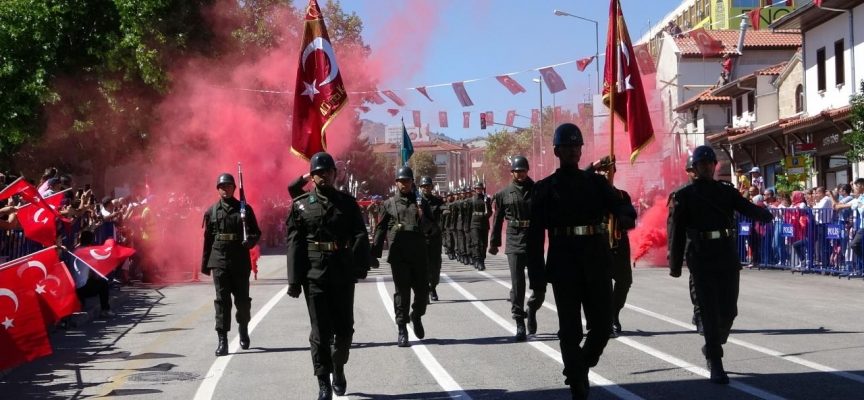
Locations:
column 326, row 240
column 405, row 222
column 703, row 212
column 481, row 210
column 447, row 227
column 691, row 175
column 226, row 255
column 513, row 203
column 458, row 209
column 434, row 238
column 571, row 205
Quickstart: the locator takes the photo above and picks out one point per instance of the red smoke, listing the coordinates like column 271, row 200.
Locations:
column 650, row 234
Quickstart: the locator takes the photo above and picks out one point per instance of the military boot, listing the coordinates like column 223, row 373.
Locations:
column 697, row 320
column 532, row 321
column 417, row 324
column 339, row 382
column 481, row 265
column 244, row 336
column 222, row 348
column 402, row 339
column 433, row 295
column 616, row 324
column 718, row 374
column 520, row 330
column 450, row 256
column 325, row 391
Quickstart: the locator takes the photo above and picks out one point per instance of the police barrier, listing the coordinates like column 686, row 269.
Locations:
column 802, row 240
column 14, row 245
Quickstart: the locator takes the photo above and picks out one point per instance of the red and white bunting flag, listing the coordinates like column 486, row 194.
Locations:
column 442, row 119
column 466, row 118
column 393, row 111
column 511, row 85
column 511, row 117
column 416, row 115
column 706, row 44
column 553, row 80
column 755, row 17
column 490, row 118
column 644, row 59
column 422, row 90
column 583, row 63
column 535, row 116
column 559, row 114
column 376, row 98
column 394, row 98
column 461, row 94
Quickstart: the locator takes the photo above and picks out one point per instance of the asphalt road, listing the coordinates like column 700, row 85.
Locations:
column 795, row 338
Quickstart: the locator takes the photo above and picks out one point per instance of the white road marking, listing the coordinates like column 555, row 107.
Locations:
column 211, row 379
column 438, row 372
column 544, row 348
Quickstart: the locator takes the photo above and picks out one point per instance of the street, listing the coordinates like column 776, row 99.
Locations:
column 796, row 337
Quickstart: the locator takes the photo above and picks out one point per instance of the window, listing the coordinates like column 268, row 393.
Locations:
column 739, row 106
column 745, row 3
column 771, row 172
column 799, row 98
column 820, row 69
column 751, row 102
column 839, row 65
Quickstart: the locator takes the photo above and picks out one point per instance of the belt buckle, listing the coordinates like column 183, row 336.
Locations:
column 713, row 235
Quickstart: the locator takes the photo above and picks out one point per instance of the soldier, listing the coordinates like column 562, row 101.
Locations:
column 326, row 241
column 513, row 203
column 226, row 255
column 481, row 210
column 691, row 174
column 373, row 210
column 457, row 208
column 447, row 226
column 703, row 230
column 467, row 216
column 434, row 238
column 405, row 222
column 571, row 204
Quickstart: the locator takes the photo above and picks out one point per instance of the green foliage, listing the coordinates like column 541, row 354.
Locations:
column 423, row 164
column 500, row 146
column 783, row 183
column 855, row 139
column 374, row 169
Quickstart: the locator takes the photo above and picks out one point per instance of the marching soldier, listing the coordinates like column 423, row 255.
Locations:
column 458, row 208
column 513, row 203
column 703, row 231
column 226, row 256
column 326, row 238
column 373, row 210
column 405, row 222
column 697, row 316
column 481, row 210
column 447, row 225
column 434, row 238
column 571, row 204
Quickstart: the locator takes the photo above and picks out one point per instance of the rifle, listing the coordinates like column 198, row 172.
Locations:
column 242, row 201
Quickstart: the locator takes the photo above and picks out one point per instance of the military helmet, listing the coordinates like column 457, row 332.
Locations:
column 425, row 180
column 519, row 163
column 321, row 161
column 225, row 178
column 702, row 153
column 567, row 134
column 479, row 185
column 689, row 163
column 404, row 173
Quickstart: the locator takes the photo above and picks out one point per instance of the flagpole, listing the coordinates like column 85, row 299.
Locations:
column 613, row 92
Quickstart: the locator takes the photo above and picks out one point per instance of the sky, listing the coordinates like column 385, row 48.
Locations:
column 438, row 42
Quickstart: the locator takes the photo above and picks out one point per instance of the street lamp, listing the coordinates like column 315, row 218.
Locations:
column 596, row 41
column 539, row 82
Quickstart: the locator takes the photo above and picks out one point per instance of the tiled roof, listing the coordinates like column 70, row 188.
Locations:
column 717, row 137
column 830, row 115
column 772, row 70
column 753, row 40
column 704, row 97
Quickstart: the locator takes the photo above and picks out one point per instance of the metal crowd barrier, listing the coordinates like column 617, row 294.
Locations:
column 802, row 240
column 14, row 245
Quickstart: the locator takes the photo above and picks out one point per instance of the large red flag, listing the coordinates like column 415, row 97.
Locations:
column 319, row 94
column 626, row 84
column 43, row 273
column 442, row 119
column 22, row 330
column 105, row 258
column 707, row 45
column 553, row 80
column 535, row 116
column 511, row 85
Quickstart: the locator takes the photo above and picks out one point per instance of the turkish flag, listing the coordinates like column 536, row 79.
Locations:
column 559, row 113
column 394, row 98
column 43, row 273
column 105, row 258
column 422, row 90
column 583, row 63
column 490, row 118
column 511, row 85
column 319, row 94
column 416, row 115
column 755, row 17
column 22, row 330
column 644, row 59
column 376, row 98
column 442, row 119
column 624, row 82
column 364, row 109
column 511, row 117
column 461, row 94
column 39, row 224
column 393, row 111
column 706, row 44
column 28, row 193
column 466, row 119
column 553, row 80
column 535, row 116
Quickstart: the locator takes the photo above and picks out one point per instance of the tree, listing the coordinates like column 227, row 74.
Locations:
column 500, row 146
column 423, row 164
column 366, row 166
column 855, row 139
column 784, row 183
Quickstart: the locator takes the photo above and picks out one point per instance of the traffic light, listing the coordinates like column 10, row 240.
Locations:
column 482, row 120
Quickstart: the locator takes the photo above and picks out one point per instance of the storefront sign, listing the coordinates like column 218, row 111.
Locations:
column 803, row 148
column 796, row 168
column 831, row 139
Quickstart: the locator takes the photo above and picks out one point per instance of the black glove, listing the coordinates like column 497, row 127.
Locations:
column 205, row 271
column 493, row 250
column 247, row 245
column 675, row 273
column 361, row 273
column 294, row 290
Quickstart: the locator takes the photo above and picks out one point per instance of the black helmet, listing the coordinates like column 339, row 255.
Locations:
column 321, row 161
column 519, row 163
column 702, row 153
column 225, row 178
column 689, row 163
column 479, row 185
column 425, row 180
column 404, row 173
column 567, row 134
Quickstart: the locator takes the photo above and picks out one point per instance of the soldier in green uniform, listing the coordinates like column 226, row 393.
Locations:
column 481, row 211
column 434, row 238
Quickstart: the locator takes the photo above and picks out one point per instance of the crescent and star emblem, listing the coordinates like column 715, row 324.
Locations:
column 319, row 44
column 10, row 294
column 33, row 264
column 100, row 257
column 36, row 217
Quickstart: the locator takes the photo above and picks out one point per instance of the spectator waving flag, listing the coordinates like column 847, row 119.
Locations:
column 23, row 336
column 44, row 274
column 105, row 258
column 27, row 192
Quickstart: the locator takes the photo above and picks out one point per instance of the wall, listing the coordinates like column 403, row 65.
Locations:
column 766, row 100
column 825, row 35
column 786, row 92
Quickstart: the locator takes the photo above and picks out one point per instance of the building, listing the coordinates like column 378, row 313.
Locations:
column 454, row 162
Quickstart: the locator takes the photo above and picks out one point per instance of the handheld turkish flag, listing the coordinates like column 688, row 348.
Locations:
column 416, row 115
column 442, row 119
column 394, row 98
column 553, row 80
column 583, row 63
column 105, row 258
column 422, row 90
column 707, row 45
column 626, row 84
column 644, row 59
column 39, row 224
column 466, row 119
column 511, row 117
column 28, row 193
column 319, row 94
column 22, row 330
column 44, row 274
column 511, row 85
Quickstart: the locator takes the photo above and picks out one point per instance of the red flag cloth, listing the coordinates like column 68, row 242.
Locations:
column 416, row 115
column 376, row 98
column 461, row 94
column 511, row 117
column 364, row 109
column 644, row 59
column 625, row 84
column 422, row 90
column 706, row 44
column 511, row 85
column 44, row 274
column 755, row 17
column 28, row 193
column 466, row 119
column 442, row 119
column 394, row 98
column 817, row 3
column 393, row 111
column 553, row 80
column 254, row 256
column 39, row 224
column 105, row 258
column 22, row 330
column 535, row 116
column 319, row 94
column 559, row 114
column 490, row 118
column 583, row 63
